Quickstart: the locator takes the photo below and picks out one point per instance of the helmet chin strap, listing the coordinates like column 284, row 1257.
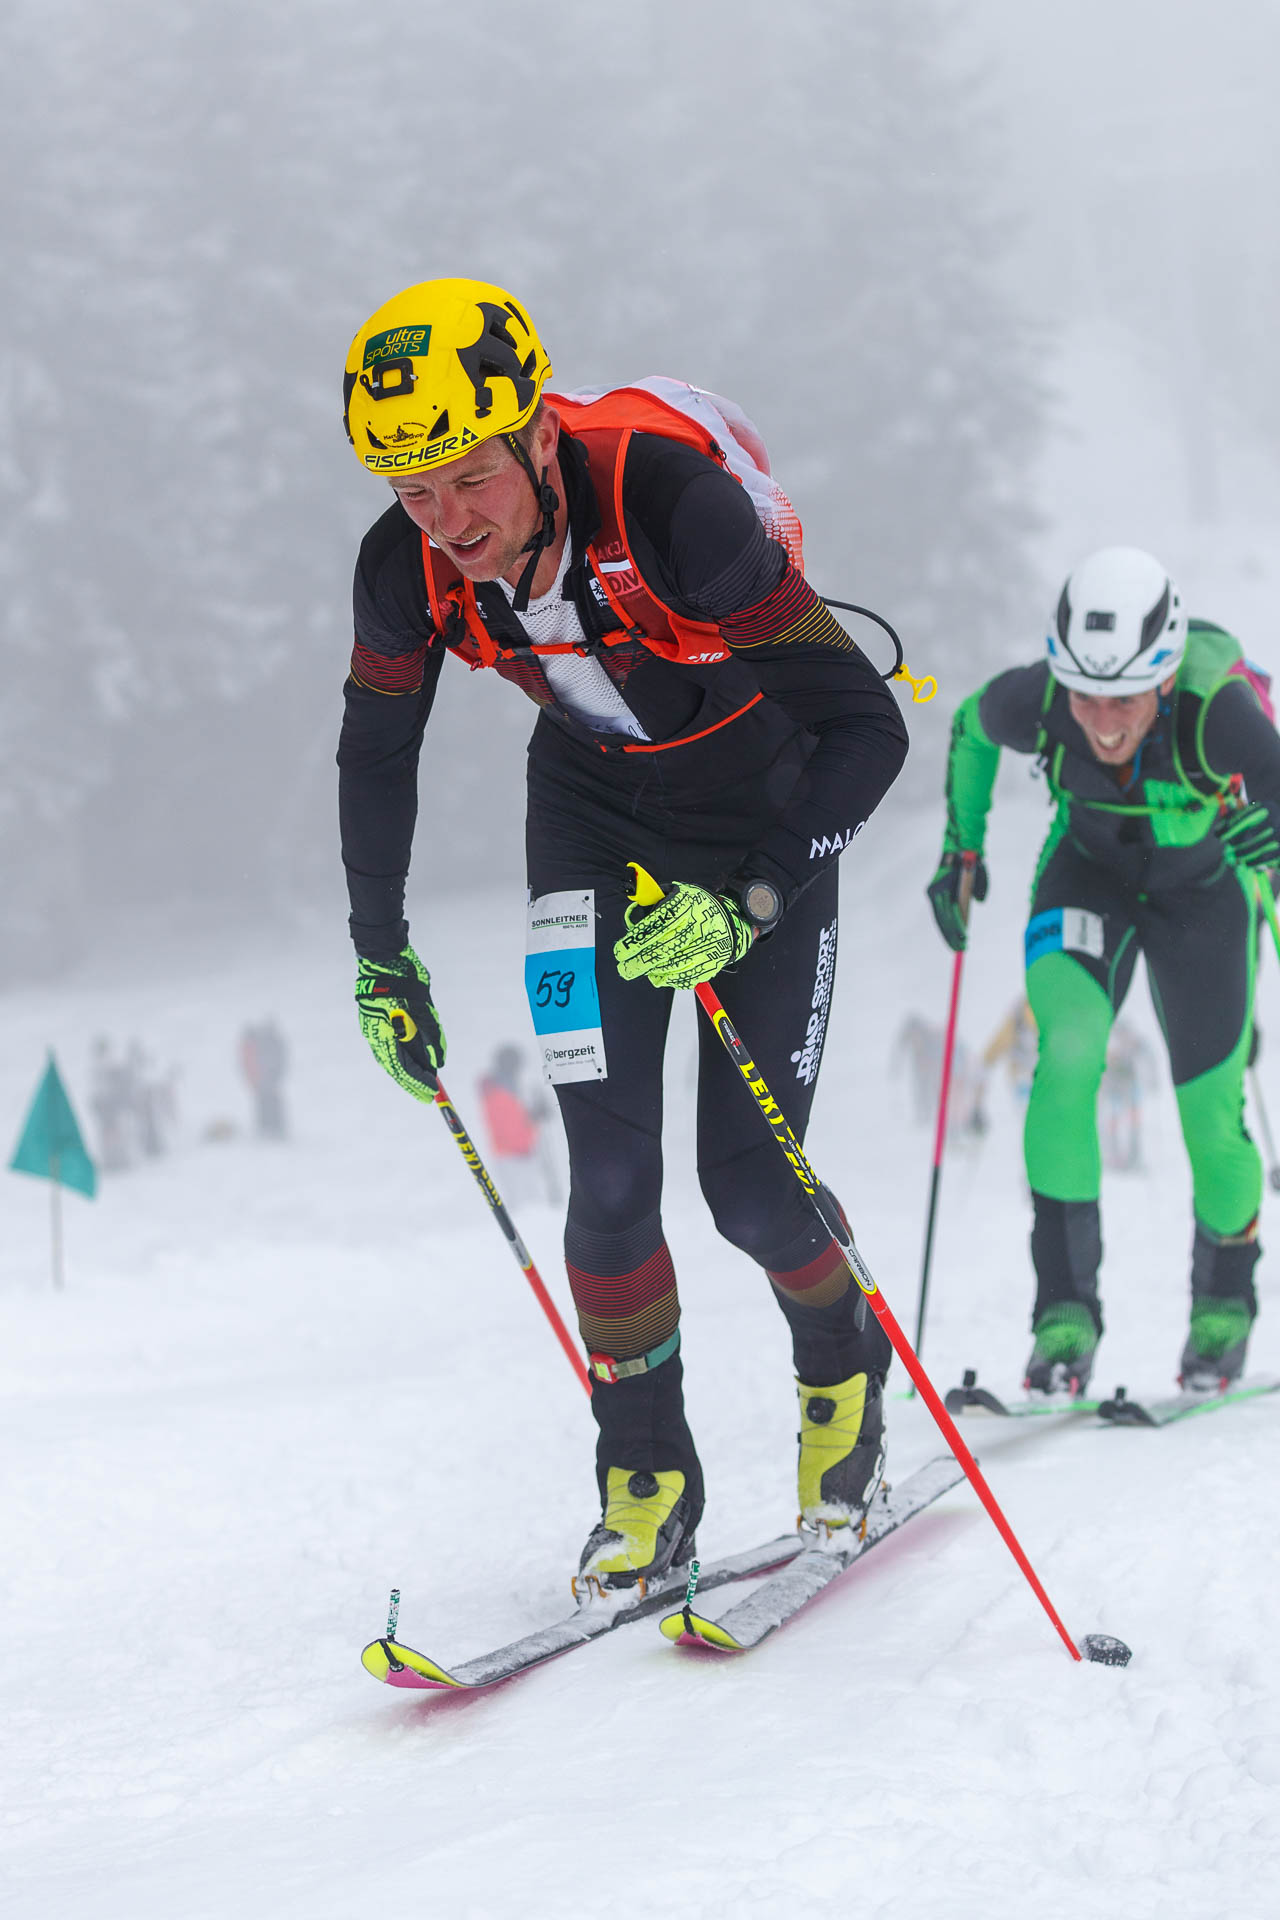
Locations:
column 548, row 501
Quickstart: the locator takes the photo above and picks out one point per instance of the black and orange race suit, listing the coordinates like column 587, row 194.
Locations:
column 764, row 762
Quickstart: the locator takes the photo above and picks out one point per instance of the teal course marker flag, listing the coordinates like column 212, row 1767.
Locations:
column 52, row 1148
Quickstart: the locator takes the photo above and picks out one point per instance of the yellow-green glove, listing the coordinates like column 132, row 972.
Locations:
column 689, row 937
column 393, row 1000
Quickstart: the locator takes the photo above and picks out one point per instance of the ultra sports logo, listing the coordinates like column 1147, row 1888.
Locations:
column 397, row 343
column 809, row 1057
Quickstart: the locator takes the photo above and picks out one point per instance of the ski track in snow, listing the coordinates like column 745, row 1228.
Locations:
column 282, row 1380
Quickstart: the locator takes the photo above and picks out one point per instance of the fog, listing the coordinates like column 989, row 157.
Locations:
column 993, row 282
column 997, row 282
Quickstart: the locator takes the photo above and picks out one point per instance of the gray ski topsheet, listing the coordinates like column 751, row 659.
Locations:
column 751, row 1620
column 403, row 1666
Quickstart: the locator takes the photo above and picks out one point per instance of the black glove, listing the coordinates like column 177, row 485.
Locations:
column 944, row 891
column 1248, row 836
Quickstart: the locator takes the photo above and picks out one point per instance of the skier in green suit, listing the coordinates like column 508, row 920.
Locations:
column 1165, row 769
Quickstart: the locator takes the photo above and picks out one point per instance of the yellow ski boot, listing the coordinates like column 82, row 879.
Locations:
column 642, row 1535
column 841, row 1450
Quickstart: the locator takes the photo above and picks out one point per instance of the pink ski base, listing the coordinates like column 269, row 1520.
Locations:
column 419, row 1681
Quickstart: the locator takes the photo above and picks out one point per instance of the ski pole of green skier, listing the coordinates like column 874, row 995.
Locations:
column 484, row 1180
column 648, row 893
column 1267, row 902
column 1234, row 802
column 969, row 862
column 1267, row 899
column 1264, row 1128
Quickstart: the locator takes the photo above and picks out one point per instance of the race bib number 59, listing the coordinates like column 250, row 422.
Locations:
column 560, row 980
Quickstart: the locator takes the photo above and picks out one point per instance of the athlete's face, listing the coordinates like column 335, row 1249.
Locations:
column 1116, row 728
column 481, row 510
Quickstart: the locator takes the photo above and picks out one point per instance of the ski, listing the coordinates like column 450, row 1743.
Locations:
column 389, row 1660
column 1121, row 1411
column 969, row 1397
column 782, row 1596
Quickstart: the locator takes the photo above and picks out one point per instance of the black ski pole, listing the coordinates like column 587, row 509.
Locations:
column 1267, row 901
column 968, row 862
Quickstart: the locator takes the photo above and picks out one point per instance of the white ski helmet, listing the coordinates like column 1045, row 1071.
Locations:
column 1120, row 626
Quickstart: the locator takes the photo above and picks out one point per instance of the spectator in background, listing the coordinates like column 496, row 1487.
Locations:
column 514, row 1124
column 146, row 1101
column 1015, row 1041
column 920, row 1047
column 1130, row 1071
column 110, row 1102
column 264, row 1060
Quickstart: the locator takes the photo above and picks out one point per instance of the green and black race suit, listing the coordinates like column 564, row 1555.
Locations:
column 1150, row 825
column 1132, row 864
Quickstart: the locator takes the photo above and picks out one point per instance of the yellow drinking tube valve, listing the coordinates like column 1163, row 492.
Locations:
column 921, row 690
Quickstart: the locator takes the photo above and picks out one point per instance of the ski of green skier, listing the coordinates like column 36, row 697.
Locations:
column 1162, row 1411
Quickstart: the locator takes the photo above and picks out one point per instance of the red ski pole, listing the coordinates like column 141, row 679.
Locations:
column 1100, row 1647
column 968, row 863
column 484, row 1181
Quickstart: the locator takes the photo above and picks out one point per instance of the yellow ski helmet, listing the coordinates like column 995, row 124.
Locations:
column 438, row 369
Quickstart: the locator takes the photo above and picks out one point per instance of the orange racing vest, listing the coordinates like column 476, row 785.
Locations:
column 603, row 425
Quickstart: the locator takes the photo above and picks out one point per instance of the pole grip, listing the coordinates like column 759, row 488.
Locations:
column 968, row 874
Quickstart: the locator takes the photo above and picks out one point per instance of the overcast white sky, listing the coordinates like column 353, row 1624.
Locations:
column 1107, row 93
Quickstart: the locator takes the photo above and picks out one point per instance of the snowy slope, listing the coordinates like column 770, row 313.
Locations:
column 282, row 1380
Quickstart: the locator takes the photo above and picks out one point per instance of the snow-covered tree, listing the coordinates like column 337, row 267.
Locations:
column 795, row 210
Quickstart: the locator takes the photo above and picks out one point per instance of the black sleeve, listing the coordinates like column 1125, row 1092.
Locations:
column 804, row 659
column 696, row 537
column 1239, row 738
column 1011, row 707
column 395, row 667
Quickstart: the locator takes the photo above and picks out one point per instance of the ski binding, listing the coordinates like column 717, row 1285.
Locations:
column 969, row 1397
column 1121, row 1411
